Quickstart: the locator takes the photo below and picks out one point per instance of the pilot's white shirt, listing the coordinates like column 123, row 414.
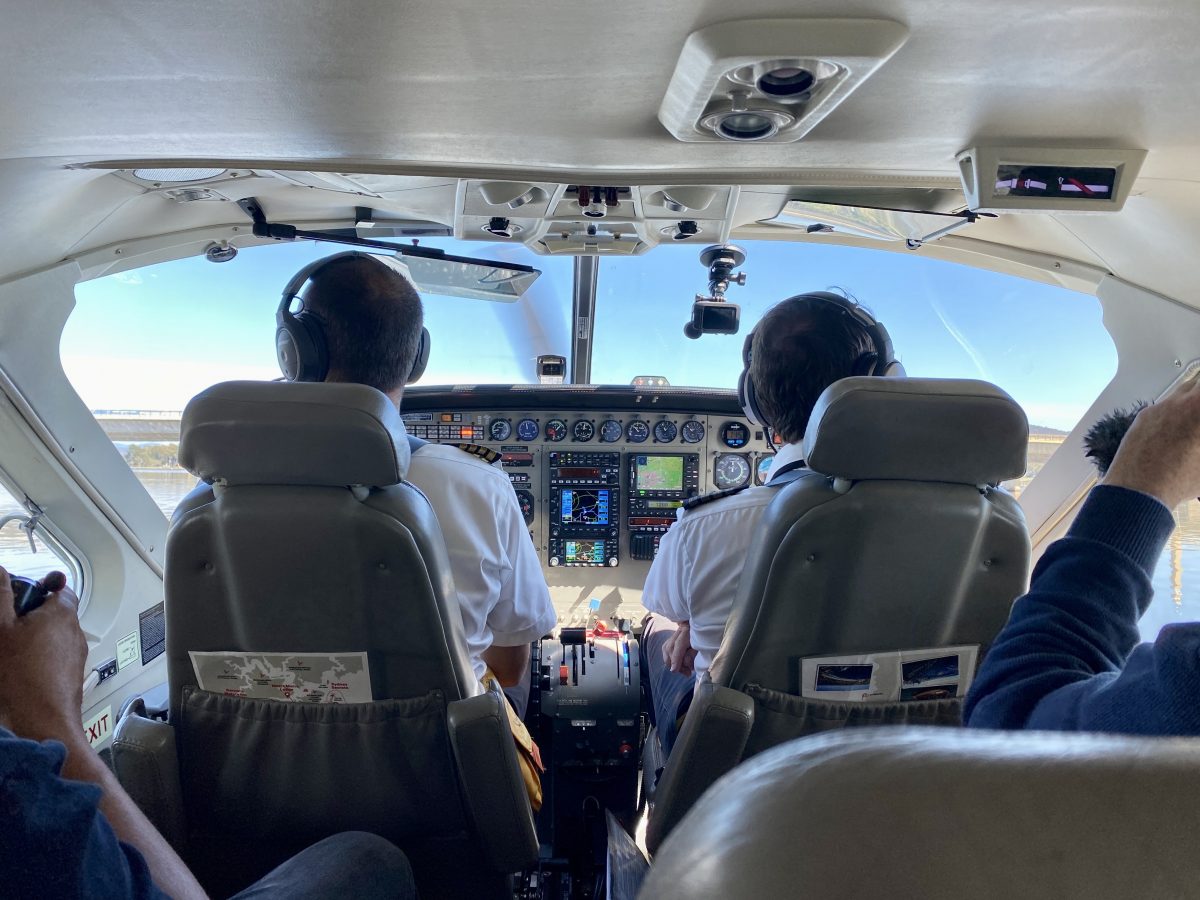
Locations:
column 502, row 593
column 696, row 573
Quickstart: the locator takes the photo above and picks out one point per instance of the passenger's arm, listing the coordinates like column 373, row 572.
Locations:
column 510, row 665
column 1066, row 658
column 41, row 682
column 1063, row 660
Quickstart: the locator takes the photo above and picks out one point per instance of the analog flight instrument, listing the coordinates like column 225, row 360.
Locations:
column 556, row 430
column 731, row 470
column 610, row 431
column 500, row 429
column 527, row 430
column 583, row 430
column 665, row 431
column 692, row 431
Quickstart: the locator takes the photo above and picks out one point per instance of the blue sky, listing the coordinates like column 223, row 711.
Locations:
column 152, row 338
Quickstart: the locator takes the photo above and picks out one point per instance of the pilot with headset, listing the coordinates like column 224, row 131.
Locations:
column 800, row 347
column 361, row 321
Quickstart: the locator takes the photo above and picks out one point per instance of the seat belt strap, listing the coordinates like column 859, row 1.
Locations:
column 793, row 471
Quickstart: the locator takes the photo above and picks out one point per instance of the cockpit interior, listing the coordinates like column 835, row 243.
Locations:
column 596, row 205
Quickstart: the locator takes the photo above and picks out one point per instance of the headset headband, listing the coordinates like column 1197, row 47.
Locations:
column 292, row 290
column 300, row 343
column 880, row 361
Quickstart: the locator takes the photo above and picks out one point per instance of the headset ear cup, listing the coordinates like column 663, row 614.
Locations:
column 285, row 352
column 300, row 348
column 422, row 359
column 749, row 400
column 745, row 386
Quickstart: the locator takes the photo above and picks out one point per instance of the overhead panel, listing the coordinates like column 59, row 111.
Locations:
column 593, row 219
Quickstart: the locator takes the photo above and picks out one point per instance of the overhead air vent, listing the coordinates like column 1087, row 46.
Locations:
column 159, row 177
column 771, row 80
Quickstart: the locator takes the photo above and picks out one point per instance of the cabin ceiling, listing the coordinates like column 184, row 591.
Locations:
column 559, row 89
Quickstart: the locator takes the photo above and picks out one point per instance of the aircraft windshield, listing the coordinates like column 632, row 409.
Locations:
column 1045, row 345
column 140, row 344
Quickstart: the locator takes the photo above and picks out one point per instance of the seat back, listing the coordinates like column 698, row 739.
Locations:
column 894, row 548
column 305, row 542
column 944, row 814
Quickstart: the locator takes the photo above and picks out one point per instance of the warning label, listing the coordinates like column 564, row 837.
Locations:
column 99, row 727
column 128, row 650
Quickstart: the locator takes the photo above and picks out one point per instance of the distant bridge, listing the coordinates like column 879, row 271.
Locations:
column 139, row 426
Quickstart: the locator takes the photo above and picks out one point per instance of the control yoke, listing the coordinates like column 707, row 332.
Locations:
column 712, row 314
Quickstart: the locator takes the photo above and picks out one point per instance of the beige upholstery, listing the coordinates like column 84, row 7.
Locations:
column 887, row 560
column 290, row 559
column 917, row 429
column 266, row 432
column 944, row 814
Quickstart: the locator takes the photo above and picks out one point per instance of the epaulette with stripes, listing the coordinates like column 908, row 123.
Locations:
column 487, row 455
column 693, row 502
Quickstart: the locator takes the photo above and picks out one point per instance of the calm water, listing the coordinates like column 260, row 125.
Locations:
column 1176, row 578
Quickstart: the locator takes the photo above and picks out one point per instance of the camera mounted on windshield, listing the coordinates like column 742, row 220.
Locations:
column 712, row 314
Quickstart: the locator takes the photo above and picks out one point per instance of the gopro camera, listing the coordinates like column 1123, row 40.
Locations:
column 28, row 595
column 713, row 317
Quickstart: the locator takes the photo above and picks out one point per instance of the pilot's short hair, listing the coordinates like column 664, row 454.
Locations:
column 801, row 347
column 373, row 318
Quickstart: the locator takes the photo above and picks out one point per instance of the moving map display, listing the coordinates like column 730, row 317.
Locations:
column 589, row 552
column 659, row 473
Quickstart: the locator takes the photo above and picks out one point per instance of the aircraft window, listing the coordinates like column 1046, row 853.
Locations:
column 1045, row 345
column 1177, row 576
column 31, row 557
column 141, row 343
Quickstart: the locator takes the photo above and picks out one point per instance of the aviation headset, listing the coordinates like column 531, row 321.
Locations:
column 880, row 362
column 300, row 343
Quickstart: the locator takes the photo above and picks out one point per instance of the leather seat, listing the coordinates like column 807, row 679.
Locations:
column 943, row 814
column 304, row 539
column 896, row 540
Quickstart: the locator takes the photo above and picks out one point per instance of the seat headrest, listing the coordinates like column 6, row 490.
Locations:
column 1011, row 814
column 275, row 432
column 917, row 429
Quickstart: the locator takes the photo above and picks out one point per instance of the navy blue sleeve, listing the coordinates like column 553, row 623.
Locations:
column 54, row 841
column 1069, row 659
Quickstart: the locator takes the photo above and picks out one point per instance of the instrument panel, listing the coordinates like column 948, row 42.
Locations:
column 600, row 473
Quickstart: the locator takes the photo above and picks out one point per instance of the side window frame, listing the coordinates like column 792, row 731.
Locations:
column 38, row 528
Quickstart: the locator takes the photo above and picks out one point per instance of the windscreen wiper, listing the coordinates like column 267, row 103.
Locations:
column 281, row 232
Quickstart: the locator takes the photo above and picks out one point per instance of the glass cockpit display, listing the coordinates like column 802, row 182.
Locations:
column 584, row 507
column 587, row 553
column 657, row 473
column 659, row 483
